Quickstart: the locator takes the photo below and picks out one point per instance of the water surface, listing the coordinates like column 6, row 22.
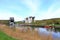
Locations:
column 44, row 32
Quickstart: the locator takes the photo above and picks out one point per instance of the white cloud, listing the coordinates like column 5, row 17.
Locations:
column 33, row 5
column 18, row 8
column 57, row 13
column 50, row 13
column 50, row 9
column 4, row 15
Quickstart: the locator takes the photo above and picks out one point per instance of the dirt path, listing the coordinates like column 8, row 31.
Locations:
column 20, row 35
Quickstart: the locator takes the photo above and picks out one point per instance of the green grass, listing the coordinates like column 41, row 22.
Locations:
column 3, row 36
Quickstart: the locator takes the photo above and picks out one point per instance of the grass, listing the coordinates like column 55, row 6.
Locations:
column 3, row 36
column 57, row 29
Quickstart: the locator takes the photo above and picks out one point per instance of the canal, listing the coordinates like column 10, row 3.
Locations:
column 45, row 34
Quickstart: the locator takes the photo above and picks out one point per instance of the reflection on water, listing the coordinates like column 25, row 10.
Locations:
column 43, row 31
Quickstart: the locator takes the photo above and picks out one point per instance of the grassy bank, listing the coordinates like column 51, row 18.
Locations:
column 57, row 29
column 3, row 36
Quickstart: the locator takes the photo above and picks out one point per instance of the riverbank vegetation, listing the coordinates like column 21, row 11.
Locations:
column 37, row 22
column 3, row 36
column 51, row 22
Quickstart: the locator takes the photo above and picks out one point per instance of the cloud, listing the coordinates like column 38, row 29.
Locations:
column 4, row 15
column 32, row 5
column 52, row 12
column 18, row 8
column 57, row 13
column 13, row 9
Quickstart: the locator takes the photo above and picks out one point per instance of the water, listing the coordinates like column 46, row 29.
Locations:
column 44, row 32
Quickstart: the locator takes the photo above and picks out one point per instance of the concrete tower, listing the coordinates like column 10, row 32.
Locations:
column 30, row 19
column 11, row 22
column 26, row 20
column 33, row 19
column 11, row 19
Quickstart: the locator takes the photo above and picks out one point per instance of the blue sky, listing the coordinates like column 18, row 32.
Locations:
column 20, row 9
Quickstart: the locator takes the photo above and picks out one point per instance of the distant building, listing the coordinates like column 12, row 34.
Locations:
column 11, row 19
column 29, row 19
column 33, row 19
column 11, row 22
column 26, row 20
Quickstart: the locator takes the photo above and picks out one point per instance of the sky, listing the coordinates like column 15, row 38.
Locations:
column 20, row 9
